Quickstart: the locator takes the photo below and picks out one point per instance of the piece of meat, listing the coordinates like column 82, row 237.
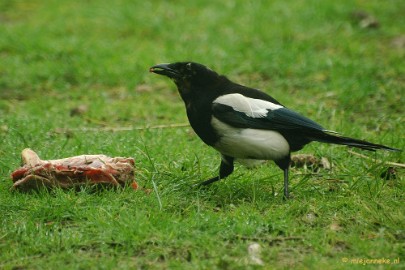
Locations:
column 73, row 171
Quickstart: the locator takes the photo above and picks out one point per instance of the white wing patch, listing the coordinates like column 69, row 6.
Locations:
column 252, row 107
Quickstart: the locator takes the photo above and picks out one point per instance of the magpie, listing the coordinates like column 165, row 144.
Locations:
column 243, row 123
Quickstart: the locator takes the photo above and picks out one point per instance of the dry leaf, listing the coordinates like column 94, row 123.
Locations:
column 254, row 252
column 309, row 161
column 365, row 20
column 79, row 110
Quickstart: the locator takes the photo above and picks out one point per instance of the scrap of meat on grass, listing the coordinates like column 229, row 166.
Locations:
column 72, row 172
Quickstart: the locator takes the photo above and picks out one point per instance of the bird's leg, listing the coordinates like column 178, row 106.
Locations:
column 284, row 164
column 225, row 169
column 286, row 194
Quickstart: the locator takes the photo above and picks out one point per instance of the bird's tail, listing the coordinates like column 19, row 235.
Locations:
column 331, row 137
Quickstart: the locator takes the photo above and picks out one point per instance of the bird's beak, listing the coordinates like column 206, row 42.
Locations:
column 164, row 69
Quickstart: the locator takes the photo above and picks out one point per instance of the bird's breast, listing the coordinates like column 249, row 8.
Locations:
column 200, row 122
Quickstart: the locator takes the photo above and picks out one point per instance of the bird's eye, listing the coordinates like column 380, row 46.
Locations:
column 188, row 66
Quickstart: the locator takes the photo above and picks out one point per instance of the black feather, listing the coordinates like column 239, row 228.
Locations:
column 342, row 140
column 280, row 120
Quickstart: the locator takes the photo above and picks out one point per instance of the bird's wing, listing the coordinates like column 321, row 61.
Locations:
column 240, row 111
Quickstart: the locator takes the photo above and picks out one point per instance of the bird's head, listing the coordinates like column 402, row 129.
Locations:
column 188, row 76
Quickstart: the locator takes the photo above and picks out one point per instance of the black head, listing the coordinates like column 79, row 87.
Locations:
column 186, row 74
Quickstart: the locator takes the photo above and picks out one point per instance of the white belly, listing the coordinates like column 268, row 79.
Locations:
column 250, row 143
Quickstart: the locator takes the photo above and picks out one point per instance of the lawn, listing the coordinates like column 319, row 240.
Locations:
column 74, row 79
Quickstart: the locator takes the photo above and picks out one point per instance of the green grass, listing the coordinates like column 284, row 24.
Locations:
column 313, row 56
